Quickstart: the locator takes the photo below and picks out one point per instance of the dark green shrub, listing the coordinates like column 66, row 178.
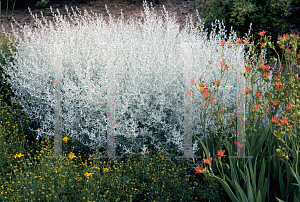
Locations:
column 273, row 16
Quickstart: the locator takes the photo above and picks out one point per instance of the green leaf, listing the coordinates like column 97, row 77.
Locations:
column 250, row 189
column 261, row 175
column 259, row 196
column 228, row 190
column 279, row 200
column 281, row 183
column 241, row 192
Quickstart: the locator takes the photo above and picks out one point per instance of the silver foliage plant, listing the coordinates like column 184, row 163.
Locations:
column 148, row 67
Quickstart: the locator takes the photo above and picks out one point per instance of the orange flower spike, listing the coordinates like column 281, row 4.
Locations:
column 262, row 66
column 266, row 74
column 221, row 153
column 283, row 121
column 275, row 119
column 225, row 68
column 286, row 36
column 247, row 60
column 280, row 38
column 277, row 84
column 262, row 60
column 248, row 90
column 223, row 42
column 277, row 77
column 289, row 106
column 205, row 94
column 222, row 63
column 199, row 169
column 263, row 44
column 256, row 106
column 267, row 67
column 208, row 160
column 239, row 40
column 262, row 33
column 246, row 41
column 257, row 94
column 217, row 82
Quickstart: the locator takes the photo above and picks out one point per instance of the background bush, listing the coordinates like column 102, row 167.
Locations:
column 274, row 16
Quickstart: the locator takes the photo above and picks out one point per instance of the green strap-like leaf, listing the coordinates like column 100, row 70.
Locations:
column 241, row 192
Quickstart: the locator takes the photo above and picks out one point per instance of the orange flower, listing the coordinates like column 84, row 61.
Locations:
column 221, row 153
column 222, row 63
column 239, row 40
column 262, row 33
column 248, row 90
column 248, row 60
column 275, row 102
column 230, row 43
column 208, row 160
column 262, row 60
column 193, row 80
column 295, row 35
column 246, row 41
column 217, row 82
column 257, row 94
column 262, row 66
column 223, row 42
column 248, row 69
column 262, row 44
column 277, row 77
column 289, row 106
column 205, row 94
column 212, row 100
column 201, row 85
column 266, row 74
column 256, row 106
column 225, row 68
column 199, row 169
column 267, row 67
column 286, row 36
column 283, row 121
column 277, row 84
column 275, row 119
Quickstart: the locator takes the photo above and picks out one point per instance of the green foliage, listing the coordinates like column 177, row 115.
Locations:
column 5, row 88
column 273, row 16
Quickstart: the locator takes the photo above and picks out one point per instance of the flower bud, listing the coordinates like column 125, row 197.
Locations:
column 286, row 157
column 278, row 150
column 282, row 133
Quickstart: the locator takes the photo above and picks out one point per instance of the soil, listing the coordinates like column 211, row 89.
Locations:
column 133, row 8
